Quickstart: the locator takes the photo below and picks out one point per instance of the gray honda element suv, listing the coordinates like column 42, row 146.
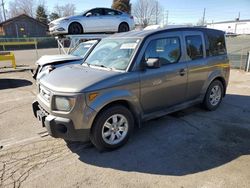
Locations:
column 132, row 77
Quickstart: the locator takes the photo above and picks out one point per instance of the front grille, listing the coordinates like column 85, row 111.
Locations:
column 45, row 93
column 43, row 110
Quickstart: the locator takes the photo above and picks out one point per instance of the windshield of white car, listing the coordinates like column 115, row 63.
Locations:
column 113, row 53
column 81, row 49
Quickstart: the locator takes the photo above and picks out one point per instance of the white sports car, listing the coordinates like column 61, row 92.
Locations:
column 97, row 20
column 48, row 63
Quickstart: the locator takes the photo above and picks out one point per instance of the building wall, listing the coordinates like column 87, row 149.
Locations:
column 24, row 27
column 232, row 27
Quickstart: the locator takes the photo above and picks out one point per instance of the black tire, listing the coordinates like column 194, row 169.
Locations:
column 96, row 135
column 75, row 28
column 123, row 27
column 207, row 103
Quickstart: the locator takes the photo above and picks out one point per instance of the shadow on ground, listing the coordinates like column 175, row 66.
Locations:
column 186, row 142
column 13, row 83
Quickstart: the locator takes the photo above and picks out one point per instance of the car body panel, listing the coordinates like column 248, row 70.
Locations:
column 78, row 79
column 92, row 24
column 61, row 60
column 50, row 59
column 148, row 92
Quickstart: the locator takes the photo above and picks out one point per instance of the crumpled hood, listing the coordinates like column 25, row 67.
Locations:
column 49, row 59
column 74, row 78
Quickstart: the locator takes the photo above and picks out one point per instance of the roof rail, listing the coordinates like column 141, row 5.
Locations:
column 75, row 40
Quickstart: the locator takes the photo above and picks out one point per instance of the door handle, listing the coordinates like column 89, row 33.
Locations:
column 182, row 72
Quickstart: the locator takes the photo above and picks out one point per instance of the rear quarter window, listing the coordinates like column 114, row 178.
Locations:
column 215, row 43
column 194, row 47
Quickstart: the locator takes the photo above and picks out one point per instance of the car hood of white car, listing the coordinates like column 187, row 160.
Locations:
column 66, row 18
column 49, row 59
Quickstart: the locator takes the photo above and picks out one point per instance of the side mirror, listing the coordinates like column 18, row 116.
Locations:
column 88, row 14
column 153, row 63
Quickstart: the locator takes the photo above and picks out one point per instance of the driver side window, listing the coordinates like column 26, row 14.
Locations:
column 168, row 50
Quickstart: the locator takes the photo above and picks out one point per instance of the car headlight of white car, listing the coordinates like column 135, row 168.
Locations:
column 63, row 103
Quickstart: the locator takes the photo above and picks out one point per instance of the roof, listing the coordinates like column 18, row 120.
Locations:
column 22, row 15
column 146, row 33
column 231, row 21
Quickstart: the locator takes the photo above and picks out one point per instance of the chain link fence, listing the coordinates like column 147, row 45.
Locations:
column 238, row 48
column 10, row 44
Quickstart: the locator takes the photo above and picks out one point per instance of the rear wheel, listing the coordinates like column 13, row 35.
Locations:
column 123, row 27
column 213, row 96
column 112, row 128
column 75, row 28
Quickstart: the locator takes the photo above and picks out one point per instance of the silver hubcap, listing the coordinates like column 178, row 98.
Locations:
column 115, row 129
column 215, row 95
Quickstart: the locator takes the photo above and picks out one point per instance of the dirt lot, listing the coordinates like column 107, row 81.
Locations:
column 191, row 148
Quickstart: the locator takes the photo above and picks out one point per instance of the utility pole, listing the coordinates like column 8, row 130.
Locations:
column 203, row 18
column 165, row 18
column 3, row 11
column 156, row 12
column 236, row 24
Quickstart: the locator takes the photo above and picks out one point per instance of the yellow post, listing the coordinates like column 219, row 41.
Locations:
column 5, row 56
column 13, row 60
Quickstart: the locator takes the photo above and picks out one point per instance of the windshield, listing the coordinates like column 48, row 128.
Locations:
column 81, row 49
column 113, row 53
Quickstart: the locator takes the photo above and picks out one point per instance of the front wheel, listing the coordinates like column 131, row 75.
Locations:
column 213, row 96
column 112, row 128
column 123, row 27
column 75, row 28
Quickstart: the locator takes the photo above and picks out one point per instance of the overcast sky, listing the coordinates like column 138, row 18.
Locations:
column 180, row 11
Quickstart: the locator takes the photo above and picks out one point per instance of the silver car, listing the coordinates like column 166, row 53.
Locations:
column 97, row 20
column 48, row 63
column 133, row 77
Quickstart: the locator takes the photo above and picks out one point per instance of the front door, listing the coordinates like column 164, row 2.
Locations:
column 165, row 86
column 94, row 22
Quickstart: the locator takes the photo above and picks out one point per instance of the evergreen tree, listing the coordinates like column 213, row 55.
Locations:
column 41, row 14
column 122, row 5
column 54, row 16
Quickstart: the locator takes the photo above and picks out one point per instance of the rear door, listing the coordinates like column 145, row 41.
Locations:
column 111, row 19
column 196, row 62
column 165, row 86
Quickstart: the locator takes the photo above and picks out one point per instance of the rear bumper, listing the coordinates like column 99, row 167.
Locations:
column 59, row 127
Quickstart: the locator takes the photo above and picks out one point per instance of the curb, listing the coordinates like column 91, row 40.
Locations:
column 11, row 70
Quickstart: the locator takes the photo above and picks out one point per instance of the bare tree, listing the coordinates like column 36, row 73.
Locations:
column 1, row 16
column 17, row 7
column 66, row 10
column 147, row 12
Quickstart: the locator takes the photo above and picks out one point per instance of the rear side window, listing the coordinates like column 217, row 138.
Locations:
column 111, row 12
column 168, row 50
column 215, row 43
column 194, row 47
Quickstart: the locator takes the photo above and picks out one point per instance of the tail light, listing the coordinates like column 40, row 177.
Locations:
column 131, row 17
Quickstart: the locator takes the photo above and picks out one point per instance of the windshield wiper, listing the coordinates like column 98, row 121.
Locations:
column 100, row 65
column 86, row 63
